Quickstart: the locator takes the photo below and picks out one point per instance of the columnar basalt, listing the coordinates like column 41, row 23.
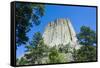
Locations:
column 60, row 31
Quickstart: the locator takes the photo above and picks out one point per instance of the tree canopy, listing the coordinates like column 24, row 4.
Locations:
column 87, row 52
column 36, row 50
column 56, row 57
column 27, row 14
column 87, row 36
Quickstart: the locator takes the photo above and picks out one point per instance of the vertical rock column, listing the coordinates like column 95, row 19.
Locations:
column 58, row 32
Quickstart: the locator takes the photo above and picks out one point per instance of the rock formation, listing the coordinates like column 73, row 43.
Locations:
column 60, row 31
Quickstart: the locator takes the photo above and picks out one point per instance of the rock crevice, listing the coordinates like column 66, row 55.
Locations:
column 58, row 32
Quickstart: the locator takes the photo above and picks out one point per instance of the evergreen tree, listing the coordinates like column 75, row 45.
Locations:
column 27, row 14
column 36, row 50
column 64, row 48
column 87, row 36
column 85, row 53
column 55, row 56
column 22, row 61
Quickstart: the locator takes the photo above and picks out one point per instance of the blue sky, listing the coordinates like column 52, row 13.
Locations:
column 78, row 16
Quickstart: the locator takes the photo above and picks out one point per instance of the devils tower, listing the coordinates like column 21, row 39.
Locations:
column 60, row 31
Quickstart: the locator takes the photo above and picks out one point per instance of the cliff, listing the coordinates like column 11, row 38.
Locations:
column 60, row 31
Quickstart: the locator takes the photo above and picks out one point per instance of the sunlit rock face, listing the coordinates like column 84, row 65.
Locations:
column 60, row 31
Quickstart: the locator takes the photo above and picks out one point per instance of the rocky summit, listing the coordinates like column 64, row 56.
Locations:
column 59, row 32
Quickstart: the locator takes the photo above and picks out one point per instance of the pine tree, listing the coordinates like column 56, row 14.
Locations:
column 27, row 14
column 87, row 36
column 36, row 50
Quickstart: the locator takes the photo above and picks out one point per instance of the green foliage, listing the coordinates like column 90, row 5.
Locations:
column 62, row 58
column 85, row 53
column 37, row 50
column 36, row 39
column 22, row 61
column 55, row 56
column 27, row 14
column 64, row 48
column 87, row 36
column 74, row 55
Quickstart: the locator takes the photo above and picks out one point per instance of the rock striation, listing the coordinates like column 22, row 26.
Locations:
column 60, row 31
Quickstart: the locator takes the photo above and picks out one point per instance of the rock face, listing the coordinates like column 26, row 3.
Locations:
column 60, row 31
